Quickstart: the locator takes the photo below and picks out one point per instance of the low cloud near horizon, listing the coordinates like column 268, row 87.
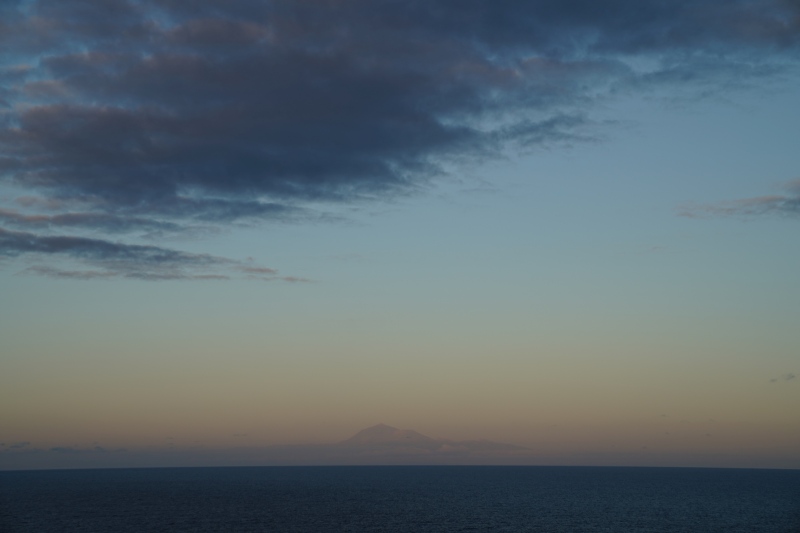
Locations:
column 131, row 119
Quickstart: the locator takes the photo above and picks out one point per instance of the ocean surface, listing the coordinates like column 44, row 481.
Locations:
column 401, row 498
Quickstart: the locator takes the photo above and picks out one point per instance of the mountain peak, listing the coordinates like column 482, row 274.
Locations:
column 381, row 440
column 383, row 434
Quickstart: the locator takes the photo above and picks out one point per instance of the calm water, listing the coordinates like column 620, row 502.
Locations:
column 390, row 499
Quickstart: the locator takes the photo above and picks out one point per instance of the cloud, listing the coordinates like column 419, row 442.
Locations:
column 786, row 205
column 119, row 260
column 79, row 450
column 785, row 377
column 156, row 115
column 105, row 222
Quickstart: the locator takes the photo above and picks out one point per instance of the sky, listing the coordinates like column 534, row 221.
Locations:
column 237, row 226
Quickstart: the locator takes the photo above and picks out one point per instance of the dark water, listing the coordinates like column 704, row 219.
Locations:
column 390, row 499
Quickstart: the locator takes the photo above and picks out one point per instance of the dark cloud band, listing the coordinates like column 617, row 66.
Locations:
column 155, row 114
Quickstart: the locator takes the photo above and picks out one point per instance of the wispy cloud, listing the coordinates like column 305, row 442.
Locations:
column 154, row 115
column 80, row 450
column 105, row 222
column 786, row 205
column 117, row 260
column 785, row 377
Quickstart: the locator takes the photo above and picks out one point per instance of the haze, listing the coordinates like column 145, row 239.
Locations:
column 571, row 226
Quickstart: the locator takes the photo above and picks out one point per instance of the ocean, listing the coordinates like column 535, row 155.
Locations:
column 401, row 499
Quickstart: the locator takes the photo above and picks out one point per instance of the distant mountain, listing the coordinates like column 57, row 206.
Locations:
column 376, row 445
column 383, row 435
column 387, row 440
